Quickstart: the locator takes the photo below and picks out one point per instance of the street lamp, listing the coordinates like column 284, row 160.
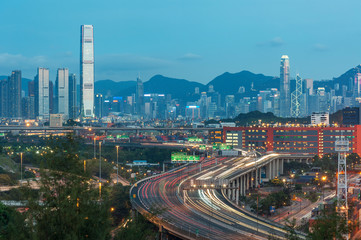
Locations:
column 94, row 146
column 21, row 166
column 117, row 162
column 324, row 178
column 100, row 169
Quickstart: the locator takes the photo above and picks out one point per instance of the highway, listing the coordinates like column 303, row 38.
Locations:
column 199, row 213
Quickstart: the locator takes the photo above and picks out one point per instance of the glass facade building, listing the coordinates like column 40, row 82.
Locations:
column 87, row 71
column 285, row 98
column 42, row 93
column 62, row 91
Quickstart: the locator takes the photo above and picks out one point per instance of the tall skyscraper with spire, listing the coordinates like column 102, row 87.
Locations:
column 87, row 71
column 285, row 98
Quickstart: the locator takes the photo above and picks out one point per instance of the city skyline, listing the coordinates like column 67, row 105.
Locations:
column 194, row 41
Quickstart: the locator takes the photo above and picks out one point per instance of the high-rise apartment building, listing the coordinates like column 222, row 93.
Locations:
column 14, row 94
column 285, row 98
column 42, row 93
column 62, row 92
column 87, row 71
column 73, row 110
column 4, row 98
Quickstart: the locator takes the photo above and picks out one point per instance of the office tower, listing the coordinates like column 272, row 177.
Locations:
column 31, row 100
column 14, row 94
column 4, row 98
column 229, row 100
column 87, row 71
column 98, row 105
column 139, row 97
column 72, row 97
column 276, row 104
column 323, row 103
column 62, row 92
column 296, row 98
column 357, row 85
column 53, row 108
column 285, row 105
column 42, row 93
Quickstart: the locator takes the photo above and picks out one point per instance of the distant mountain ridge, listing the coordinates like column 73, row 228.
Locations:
column 225, row 84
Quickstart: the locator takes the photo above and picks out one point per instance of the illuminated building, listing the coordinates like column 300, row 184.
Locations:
column 285, row 98
column 87, row 71
column 62, row 92
column 312, row 140
column 42, row 93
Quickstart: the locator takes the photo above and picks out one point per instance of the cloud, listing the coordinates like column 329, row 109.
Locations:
column 319, row 47
column 18, row 61
column 275, row 42
column 189, row 57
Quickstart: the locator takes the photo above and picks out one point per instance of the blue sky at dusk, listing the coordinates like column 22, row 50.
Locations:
column 192, row 39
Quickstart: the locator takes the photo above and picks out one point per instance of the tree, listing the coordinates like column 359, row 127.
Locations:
column 120, row 202
column 330, row 224
column 67, row 205
column 11, row 224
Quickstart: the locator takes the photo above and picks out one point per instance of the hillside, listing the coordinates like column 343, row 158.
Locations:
column 179, row 88
column 229, row 83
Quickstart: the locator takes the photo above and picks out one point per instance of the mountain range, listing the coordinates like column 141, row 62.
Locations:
column 226, row 84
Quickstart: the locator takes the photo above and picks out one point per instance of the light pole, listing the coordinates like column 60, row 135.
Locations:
column 21, row 166
column 117, row 162
column 100, row 169
column 94, row 146
column 324, row 178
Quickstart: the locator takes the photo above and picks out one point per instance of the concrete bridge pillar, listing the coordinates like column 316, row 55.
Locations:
column 268, row 170
column 237, row 190
column 241, row 185
column 247, row 181
column 229, row 192
column 281, row 165
column 244, row 185
column 275, row 168
column 256, row 178
column 234, row 190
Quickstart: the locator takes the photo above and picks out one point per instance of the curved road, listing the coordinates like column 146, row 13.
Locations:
column 198, row 213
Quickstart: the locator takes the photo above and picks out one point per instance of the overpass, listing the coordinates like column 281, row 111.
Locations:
column 199, row 201
column 4, row 128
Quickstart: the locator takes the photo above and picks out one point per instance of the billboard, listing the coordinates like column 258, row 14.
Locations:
column 195, row 139
column 221, row 146
column 182, row 157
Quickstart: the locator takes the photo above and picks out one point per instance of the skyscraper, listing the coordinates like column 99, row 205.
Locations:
column 72, row 97
column 285, row 106
column 14, row 94
column 4, row 98
column 42, row 93
column 87, row 71
column 62, row 91
column 139, row 97
column 99, row 105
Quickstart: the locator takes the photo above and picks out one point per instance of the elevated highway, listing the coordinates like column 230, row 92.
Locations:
column 177, row 204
